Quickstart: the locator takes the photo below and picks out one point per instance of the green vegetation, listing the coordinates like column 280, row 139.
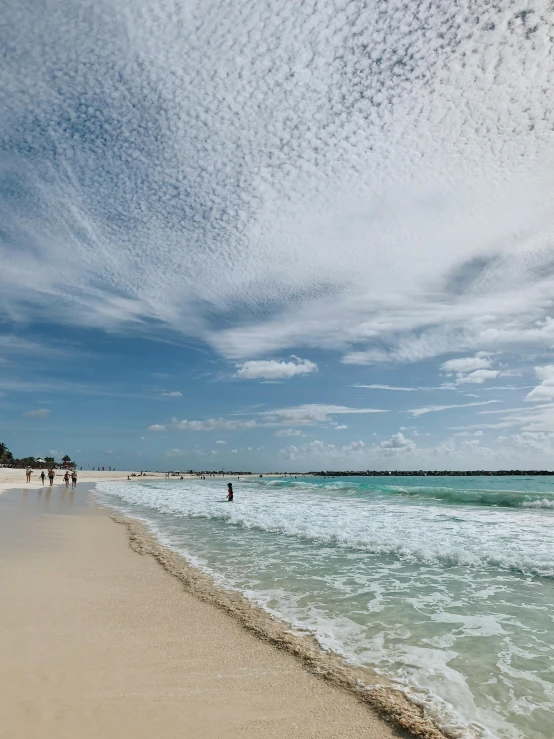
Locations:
column 6, row 457
column 8, row 460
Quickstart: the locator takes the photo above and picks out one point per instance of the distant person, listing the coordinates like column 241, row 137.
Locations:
column 66, row 478
column 51, row 474
column 42, row 476
column 74, row 479
column 28, row 473
column 230, row 492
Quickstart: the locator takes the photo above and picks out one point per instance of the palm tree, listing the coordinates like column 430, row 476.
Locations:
column 6, row 457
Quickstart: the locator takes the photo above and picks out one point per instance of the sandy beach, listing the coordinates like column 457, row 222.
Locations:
column 15, row 478
column 100, row 641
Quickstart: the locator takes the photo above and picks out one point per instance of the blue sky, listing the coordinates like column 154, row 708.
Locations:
column 277, row 238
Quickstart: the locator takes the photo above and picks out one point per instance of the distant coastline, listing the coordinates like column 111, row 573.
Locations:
column 431, row 473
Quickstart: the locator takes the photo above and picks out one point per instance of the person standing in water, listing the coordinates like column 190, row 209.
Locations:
column 42, row 476
column 230, row 492
column 51, row 474
column 66, row 478
column 74, row 479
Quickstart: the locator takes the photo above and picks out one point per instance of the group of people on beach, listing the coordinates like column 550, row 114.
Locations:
column 52, row 474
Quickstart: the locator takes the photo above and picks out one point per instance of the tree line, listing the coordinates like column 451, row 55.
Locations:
column 8, row 460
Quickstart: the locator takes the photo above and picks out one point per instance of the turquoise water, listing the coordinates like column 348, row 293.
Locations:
column 444, row 585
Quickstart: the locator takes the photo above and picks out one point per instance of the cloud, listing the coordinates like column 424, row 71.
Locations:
column 234, row 451
column 312, row 413
column 257, row 196
column 173, row 394
column 320, row 450
column 435, row 408
column 39, row 413
column 341, row 427
column 270, row 369
column 397, row 443
column 302, row 415
column 474, row 370
column 220, row 441
column 478, row 376
column 388, row 387
column 289, row 432
column 212, row 424
column 466, row 364
column 544, row 391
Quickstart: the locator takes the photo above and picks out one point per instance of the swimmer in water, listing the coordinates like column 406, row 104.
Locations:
column 230, row 492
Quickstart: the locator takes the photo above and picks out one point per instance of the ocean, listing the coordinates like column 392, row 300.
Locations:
column 443, row 585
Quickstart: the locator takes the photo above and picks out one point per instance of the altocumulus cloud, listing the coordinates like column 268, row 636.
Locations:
column 270, row 369
column 180, row 166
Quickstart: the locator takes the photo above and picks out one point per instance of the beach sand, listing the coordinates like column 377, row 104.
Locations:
column 98, row 641
column 12, row 478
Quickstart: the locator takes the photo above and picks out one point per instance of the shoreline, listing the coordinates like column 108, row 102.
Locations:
column 388, row 702
column 115, row 627
column 12, row 478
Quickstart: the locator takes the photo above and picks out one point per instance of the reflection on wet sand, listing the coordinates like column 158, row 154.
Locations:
column 46, row 500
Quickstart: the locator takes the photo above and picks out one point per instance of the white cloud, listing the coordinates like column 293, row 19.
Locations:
column 388, row 387
column 397, row 443
column 436, row 408
column 466, row 364
column 311, row 413
column 289, row 432
column 38, row 413
column 234, row 451
column 156, row 427
column 253, row 179
column 478, row 376
column 173, row 394
column 270, row 369
column 473, row 370
column 220, row 441
column 340, row 427
column 544, row 391
column 174, row 453
column 320, row 450
column 212, row 424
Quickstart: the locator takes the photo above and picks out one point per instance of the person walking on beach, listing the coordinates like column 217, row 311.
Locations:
column 51, row 474
column 66, row 478
column 42, row 476
column 230, row 492
column 74, row 479
column 28, row 473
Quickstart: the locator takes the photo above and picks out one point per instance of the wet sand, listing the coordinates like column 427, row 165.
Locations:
column 100, row 641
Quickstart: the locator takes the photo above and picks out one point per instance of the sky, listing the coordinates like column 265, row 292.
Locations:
column 278, row 236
